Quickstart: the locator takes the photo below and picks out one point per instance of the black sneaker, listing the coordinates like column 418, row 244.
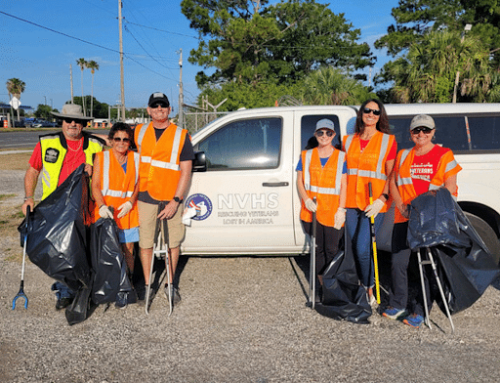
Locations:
column 121, row 300
column 62, row 303
column 176, row 297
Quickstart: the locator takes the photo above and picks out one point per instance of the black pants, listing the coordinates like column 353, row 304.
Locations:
column 327, row 243
column 399, row 271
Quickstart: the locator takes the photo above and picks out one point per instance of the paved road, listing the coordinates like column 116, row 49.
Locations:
column 13, row 140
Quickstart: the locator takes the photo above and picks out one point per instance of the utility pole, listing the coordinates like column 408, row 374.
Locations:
column 467, row 27
column 71, row 80
column 122, row 87
column 181, row 95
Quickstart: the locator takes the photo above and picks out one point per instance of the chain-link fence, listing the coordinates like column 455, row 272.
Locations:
column 195, row 120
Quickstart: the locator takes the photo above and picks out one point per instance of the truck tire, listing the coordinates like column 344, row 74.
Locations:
column 487, row 234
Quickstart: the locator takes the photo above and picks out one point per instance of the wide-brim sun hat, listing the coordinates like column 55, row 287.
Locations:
column 72, row 111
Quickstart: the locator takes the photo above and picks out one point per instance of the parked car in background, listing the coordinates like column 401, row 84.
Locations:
column 43, row 124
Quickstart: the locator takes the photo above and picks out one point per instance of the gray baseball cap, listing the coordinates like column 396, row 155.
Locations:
column 422, row 120
column 325, row 123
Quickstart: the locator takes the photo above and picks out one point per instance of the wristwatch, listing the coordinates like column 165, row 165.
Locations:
column 178, row 200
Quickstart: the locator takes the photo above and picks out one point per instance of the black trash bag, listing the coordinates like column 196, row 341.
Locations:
column 108, row 263
column 78, row 311
column 343, row 297
column 465, row 266
column 57, row 234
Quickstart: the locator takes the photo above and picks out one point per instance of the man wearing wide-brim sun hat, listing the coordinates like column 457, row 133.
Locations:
column 58, row 155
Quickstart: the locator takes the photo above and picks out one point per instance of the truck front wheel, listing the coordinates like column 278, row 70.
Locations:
column 487, row 234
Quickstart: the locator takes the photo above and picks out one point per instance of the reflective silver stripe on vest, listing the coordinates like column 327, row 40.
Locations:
column 141, row 134
column 164, row 165
column 400, row 180
column 146, row 159
column 45, row 177
column 348, row 142
column 451, row 165
column 176, row 146
column 105, row 190
column 137, row 159
column 307, row 174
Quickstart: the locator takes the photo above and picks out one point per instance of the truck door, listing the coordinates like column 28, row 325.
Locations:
column 244, row 200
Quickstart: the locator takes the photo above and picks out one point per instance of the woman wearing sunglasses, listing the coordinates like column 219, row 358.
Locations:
column 425, row 167
column 370, row 155
column 321, row 174
column 115, row 185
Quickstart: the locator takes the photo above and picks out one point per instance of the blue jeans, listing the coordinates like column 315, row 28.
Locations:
column 358, row 228
column 62, row 291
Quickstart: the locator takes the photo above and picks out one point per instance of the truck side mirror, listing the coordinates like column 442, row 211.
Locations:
column 200, row 162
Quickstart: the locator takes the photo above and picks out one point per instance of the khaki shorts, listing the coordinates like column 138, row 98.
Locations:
column 147, row 224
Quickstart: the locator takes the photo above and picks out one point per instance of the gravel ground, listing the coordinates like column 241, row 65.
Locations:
column 240, row 320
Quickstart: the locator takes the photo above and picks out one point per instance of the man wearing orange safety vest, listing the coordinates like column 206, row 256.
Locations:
column 166, row 155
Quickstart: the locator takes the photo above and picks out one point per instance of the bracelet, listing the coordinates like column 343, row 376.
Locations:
column 386, row 196
column 27, row 198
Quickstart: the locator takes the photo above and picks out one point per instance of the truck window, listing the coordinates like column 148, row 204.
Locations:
column 244, row 144
column 462, row 134
column 451, row 132
column 308, row 126
column 485, row 133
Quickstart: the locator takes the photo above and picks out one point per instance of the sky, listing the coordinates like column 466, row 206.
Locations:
column 40, row 40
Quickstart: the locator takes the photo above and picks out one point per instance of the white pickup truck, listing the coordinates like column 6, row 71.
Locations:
column 244, row 185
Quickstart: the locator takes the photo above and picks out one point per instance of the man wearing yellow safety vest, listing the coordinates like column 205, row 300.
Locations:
column 56, row 156
column 166, row 156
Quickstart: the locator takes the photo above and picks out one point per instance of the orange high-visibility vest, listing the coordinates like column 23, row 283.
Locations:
column 323, row 183
column 117, row 186
column 446, row 168
column 159, row 170
column 366, row 166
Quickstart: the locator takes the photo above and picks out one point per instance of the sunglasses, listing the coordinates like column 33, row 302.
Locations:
column 70, row 120
column 421, row 129
column 157, row 104
column 319, row 133
column 376, row 112
column 118, row 139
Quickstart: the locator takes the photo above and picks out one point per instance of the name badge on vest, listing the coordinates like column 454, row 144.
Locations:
column 51, row 155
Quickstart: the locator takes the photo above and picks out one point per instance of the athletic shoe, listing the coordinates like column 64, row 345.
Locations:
column 414, row 320
column 176, row 297
column 62, row 303
column 121, row 300
column 394, row 313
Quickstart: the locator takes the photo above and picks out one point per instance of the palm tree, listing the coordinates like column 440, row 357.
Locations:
column 93, row 66
column 15, row 87
column 331, row 86
column 82, row 64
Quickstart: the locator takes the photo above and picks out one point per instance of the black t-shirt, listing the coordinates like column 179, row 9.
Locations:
column 187, row 154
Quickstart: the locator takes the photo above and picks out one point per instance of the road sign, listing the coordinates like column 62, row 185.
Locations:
column 15, row 103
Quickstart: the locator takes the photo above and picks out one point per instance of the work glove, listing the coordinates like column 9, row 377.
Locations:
column 104, row 212
column 310, row 205
column 339, row 218
column 374, row 208
column 124, row 209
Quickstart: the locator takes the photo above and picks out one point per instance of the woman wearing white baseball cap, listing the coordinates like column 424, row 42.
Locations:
column 321, row 174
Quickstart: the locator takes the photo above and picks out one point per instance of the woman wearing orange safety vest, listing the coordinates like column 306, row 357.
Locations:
column 115, row 184
column 321, row 173
column 425, row 167
column 370, row 154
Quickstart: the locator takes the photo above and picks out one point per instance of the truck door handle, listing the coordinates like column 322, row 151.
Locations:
column 274, row 184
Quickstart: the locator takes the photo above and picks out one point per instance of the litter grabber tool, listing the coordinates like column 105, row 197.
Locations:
column 161, row 251
column 21, row 293
column 312, row 264
column 374, row 245
column 430, row 261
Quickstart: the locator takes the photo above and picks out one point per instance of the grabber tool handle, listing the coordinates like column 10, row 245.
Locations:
column 374, row 245
column 21, row 293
